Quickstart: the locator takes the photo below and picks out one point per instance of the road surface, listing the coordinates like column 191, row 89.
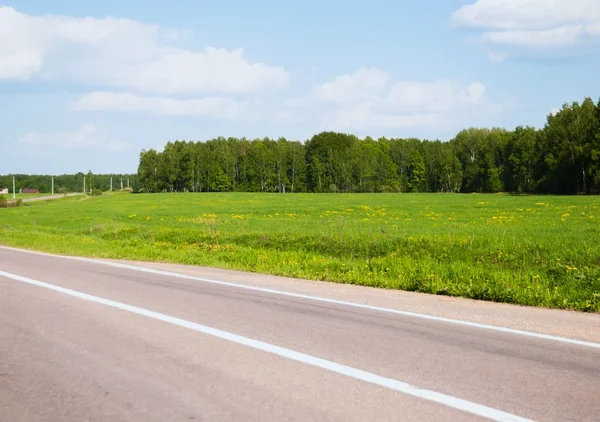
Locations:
column 47, row 197
column 106, row 341
column 43, row 198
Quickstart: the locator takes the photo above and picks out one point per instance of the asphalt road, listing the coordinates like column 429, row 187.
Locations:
column 47, row 197
column 92, row 341
column 43, row 198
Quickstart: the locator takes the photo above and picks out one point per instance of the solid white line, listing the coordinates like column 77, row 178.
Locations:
column 470, row 324
column 392, row 384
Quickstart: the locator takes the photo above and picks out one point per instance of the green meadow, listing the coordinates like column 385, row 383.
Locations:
column 528, row 250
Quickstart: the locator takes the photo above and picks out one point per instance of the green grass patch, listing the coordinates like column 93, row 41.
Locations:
column 529, row 250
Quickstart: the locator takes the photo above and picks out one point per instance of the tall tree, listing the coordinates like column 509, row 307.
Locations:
column 148, row 170
column 90, row 181
column 417, row 174
column 280, row 157
column 297, row 167
column 521, row 151
column 329, row 164
column 263, row 163
column 563, row 157
column 570, row 136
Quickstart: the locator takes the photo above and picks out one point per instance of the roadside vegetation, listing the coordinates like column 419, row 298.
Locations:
column 528, row 250
column 7, row 203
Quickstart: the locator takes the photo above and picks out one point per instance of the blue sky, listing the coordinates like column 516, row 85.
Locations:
column 87, row 85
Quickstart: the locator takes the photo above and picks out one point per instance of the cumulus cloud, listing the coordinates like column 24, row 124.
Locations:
column 539, row 26
column 364, row 84
column 362, row 118
column 554, row 111
column 368, row 99
column 439, row 95
column 123, row 53
column 220, row 107
column 87, row 137
column 140, row 68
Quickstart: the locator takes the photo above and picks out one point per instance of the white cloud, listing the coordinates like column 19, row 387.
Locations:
column 558, row 37
column 87, row 137
column 123, row 53
column 546, row 26
column 220, row 107
column 532, row 14
column 413, row 95
column 433, row 96
column 140, row 68
column 496, row 56
column 364, row 84
column 362, row 117
column 366, row 100
column 554, row 111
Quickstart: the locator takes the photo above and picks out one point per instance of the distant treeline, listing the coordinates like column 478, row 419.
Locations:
column 72, row 182
column 561, row 158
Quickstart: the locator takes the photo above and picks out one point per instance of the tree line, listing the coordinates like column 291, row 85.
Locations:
column 70, row 182
column 563, row 157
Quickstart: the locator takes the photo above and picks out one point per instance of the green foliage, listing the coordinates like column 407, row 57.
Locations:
column 493, row 182
column 71, row 182
column 561, row 158
column 5, row 203
column 530, row 250
column 218, row 180
column 90, row 182
column 96, row 192
column 329, row 159
column 416, row 181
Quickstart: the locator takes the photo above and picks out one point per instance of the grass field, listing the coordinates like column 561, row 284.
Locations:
column 530, row 250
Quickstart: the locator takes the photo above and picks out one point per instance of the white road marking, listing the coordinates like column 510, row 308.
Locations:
column 392, row 384
column 322, row 299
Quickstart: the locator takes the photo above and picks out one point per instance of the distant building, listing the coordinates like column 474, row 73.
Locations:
column 3, row 191
column 30, row 191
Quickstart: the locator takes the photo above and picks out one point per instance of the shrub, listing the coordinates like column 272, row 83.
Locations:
column 96, row 192
column 3, row 202
column 386, row 189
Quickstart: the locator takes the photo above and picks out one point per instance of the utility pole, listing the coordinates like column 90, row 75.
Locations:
column 111, row 183
column 52, row 185
column 14, row 189
column 84, row 184
column 121, row 183
column 128, row 183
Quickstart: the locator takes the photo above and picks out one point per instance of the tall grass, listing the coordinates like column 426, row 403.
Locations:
column 529, row 250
